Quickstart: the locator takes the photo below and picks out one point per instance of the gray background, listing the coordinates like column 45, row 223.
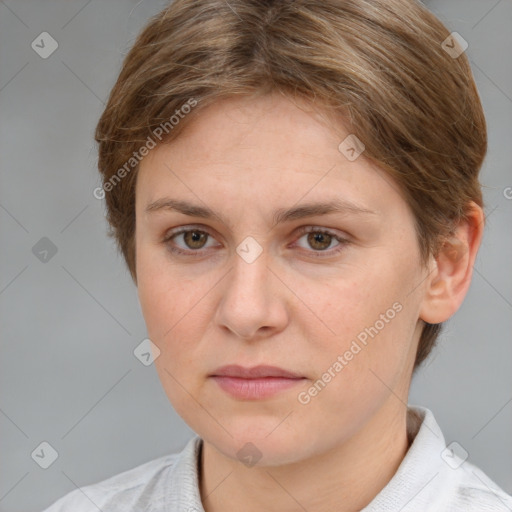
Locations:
column 69, row 326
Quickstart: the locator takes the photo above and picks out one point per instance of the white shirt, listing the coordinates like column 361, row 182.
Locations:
column 431, row 477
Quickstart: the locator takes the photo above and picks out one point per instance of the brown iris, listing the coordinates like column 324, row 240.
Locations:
column 195, row 239
column 319, row 241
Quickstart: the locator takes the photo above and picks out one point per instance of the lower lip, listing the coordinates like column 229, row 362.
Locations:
column 255, row 389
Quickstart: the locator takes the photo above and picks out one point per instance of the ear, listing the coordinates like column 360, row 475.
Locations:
column 451, row 271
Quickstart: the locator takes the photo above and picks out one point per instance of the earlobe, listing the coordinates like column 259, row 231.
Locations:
column 452, row 269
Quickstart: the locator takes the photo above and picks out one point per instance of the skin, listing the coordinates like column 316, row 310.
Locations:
column 244, row 158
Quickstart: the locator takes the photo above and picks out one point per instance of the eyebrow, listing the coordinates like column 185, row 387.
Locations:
column 279, row 216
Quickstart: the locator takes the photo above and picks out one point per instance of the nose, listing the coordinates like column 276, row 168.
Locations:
column 253, row 303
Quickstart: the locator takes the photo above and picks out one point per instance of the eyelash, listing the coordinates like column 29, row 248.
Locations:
column 343, row 242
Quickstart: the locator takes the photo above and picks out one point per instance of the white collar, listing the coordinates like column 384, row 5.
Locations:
column 429, row 478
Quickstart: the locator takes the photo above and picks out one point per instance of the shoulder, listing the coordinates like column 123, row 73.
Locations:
column 436, row 477
column 133, row 489
column 471, row 490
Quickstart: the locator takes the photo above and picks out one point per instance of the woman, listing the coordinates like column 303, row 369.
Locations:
column 294, row 188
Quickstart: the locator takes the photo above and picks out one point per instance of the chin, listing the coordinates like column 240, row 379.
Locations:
column 252, row 444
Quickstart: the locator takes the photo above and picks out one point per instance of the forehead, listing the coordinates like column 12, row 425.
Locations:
column 265, row 150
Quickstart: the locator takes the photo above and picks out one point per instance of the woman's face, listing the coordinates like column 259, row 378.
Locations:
column 337, row 304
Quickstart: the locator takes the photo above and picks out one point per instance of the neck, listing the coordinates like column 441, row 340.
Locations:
column 346, row 478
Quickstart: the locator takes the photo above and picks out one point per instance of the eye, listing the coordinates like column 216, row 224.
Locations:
column 320, row 239
column 193, row 239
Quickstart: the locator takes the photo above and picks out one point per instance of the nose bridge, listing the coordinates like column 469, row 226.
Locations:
column 248, row 302
column 249, row 275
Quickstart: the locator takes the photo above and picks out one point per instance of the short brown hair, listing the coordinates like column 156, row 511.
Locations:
column 381, row 63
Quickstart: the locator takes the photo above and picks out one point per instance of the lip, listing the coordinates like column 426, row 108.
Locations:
column 256, row 372
column 254, row 383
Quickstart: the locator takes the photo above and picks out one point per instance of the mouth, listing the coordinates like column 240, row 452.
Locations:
column 255, row 383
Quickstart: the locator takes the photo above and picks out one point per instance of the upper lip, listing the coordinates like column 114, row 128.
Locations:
column 234, row 370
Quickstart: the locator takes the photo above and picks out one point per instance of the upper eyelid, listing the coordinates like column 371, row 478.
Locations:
column 199, row 227
column 183, row 229
column 302, row 230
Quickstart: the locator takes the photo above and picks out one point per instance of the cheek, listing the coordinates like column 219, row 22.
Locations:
column 355, row 370
column 341, row 309
column 170, row 308
column 173, row 306
column 163, row 303
column 368, row 319
column 167, row 296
